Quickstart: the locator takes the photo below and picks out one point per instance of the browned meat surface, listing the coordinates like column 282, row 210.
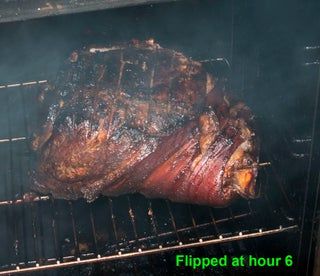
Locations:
column 141, row 118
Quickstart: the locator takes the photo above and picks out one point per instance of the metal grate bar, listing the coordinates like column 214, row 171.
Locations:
column 269, row 203
column 132, row 218
column 172, row 219
column 279, row 182
column 35, row 235
column 208, row 241
column 24, row 228
column 234, row 225
column 28, row 198
column 74, row 231
column 192, row 217
column 12, row 85
column 153, row 222
column 93, row 228
column 12, row 220
column 253, row 215
column 25, row 123
column 152, row 219
column 55, row 230
column 21, row 190
column 213, row 221
column 113, row 219
column 40, row 231
column 13, row 139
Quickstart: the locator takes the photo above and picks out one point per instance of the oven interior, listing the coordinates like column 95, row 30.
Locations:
column 268, row 53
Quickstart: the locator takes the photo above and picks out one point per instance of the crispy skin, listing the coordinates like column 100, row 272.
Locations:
column 141, row 118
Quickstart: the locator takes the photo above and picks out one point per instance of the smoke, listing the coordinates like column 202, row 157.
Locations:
column 263, row 41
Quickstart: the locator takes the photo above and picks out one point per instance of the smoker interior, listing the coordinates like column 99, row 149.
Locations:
column 255, row 48
column 14, row 10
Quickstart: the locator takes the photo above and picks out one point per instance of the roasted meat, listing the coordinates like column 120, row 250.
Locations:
column 142, row 118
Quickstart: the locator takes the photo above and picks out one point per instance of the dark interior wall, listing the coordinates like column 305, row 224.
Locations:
column 194, row 27
column 199, row 28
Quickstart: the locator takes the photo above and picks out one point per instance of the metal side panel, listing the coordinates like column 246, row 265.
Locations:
column 15, row 10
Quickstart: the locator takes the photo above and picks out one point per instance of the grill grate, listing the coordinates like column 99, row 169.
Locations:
column 41, row 233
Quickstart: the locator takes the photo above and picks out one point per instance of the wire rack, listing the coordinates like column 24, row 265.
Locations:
column 39, row 232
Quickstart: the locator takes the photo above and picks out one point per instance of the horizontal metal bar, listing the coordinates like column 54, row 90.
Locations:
column 104, row 49
column 160, row 249
column 14, row 85
column 312, row 47
column 302, row 140
column 300, row 155
column 311, row 63
column 24, row 200
column 3, row 86
column 14, row 139
column 225, row 60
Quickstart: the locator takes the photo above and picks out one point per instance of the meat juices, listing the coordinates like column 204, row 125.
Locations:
column 142, row 118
